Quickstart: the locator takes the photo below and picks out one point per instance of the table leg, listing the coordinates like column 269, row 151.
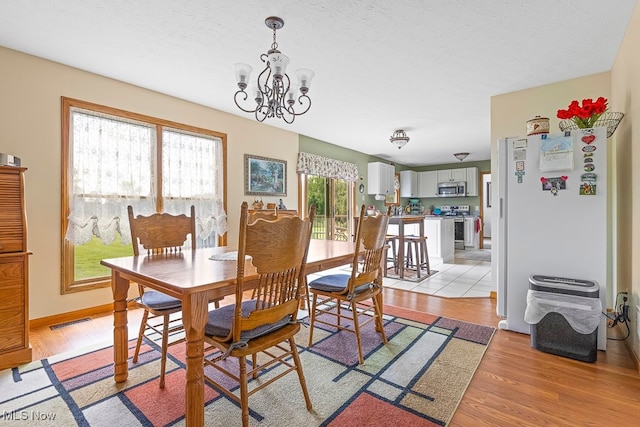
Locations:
column 194, row 319
column 401, row 249
column 120, row 288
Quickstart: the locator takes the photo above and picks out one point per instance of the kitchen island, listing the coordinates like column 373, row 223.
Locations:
column 440, row 238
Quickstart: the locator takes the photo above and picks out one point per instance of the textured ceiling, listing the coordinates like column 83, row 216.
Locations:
column 429, row 67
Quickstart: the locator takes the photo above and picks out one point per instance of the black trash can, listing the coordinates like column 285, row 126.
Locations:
column 564, row 315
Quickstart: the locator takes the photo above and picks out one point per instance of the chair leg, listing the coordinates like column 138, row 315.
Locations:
column 386, row 259
column 306, row 292
column 303, row 383
column 254, row 363
column 425, row 251
column 244, row 389
column 416, row 249
column 143, row 326
column 312, row 316
column 378, row 309
column 356, row 327
column 165, row 346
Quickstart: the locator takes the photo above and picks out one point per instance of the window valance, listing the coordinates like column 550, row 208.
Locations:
column 312, row 164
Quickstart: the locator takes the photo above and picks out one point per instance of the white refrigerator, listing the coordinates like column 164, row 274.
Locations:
column 552, row 217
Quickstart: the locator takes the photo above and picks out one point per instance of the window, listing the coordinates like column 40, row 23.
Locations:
column 114, row 158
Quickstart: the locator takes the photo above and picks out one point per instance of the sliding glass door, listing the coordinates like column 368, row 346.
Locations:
column 334, row 207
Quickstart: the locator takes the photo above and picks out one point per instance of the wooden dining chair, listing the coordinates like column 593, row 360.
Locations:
column 160, row 233
column 262, row 324
column 268, row 214
column 357, row 297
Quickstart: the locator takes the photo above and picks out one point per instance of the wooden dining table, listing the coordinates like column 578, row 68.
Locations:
column 195, row 279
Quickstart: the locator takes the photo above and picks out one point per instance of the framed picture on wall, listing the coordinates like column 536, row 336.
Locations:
column 264, row 176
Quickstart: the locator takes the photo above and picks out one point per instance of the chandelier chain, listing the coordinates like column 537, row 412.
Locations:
column 274, row 45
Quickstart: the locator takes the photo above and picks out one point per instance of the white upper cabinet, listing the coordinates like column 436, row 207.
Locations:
column 428, row 184
column 454, row 175
column 409, row 184
column 472, row 181
column 380, row 178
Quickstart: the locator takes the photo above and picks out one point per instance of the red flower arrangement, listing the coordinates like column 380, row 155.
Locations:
column 584, row 116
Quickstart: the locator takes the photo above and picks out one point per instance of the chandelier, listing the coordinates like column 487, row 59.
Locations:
column 461, row 156
column 274, row 94
column 399, row 138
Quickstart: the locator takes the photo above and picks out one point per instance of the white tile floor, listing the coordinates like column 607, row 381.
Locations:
column 464, row 278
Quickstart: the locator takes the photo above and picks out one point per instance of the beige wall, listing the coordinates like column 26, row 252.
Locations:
column 30, row 124
column 625, row 87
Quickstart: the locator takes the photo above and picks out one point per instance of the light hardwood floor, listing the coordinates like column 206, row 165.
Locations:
column 515, row 385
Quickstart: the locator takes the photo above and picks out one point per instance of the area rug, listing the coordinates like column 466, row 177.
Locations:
column 418, row 378
column 475, row 255
column 410, row 275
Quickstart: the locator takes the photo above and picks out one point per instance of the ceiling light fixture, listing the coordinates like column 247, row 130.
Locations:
column 461, row 156
column 399, row 138
column 275, row 95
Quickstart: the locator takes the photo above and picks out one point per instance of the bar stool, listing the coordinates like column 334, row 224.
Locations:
column 417, row 245
column 390, row 242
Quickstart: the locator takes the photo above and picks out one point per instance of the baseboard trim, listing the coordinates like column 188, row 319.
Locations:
column 73, row 315
column 633, row 354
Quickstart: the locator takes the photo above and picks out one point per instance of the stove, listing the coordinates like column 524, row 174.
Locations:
column 459, row 213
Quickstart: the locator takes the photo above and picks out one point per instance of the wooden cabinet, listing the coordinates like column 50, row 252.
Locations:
column 428, row 184
column 472, row 181
column 380, row 178
column 409, row 186
column 453, row 175
column 14, row 270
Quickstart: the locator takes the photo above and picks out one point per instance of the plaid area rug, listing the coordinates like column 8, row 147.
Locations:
column 418, row 378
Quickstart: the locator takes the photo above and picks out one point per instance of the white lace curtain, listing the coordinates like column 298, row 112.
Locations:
column 192, row 174
column 313, row 164
column 112, row 165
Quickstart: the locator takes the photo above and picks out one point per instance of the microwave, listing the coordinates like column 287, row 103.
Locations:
column 452, row 189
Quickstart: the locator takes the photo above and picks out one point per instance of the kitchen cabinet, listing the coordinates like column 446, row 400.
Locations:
column 380, row 178
column 428, row 184
column 409, row 186
column 471, row 238
column 472, row 181
column 14, row 270
column 452, row 175
column 440, row 244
